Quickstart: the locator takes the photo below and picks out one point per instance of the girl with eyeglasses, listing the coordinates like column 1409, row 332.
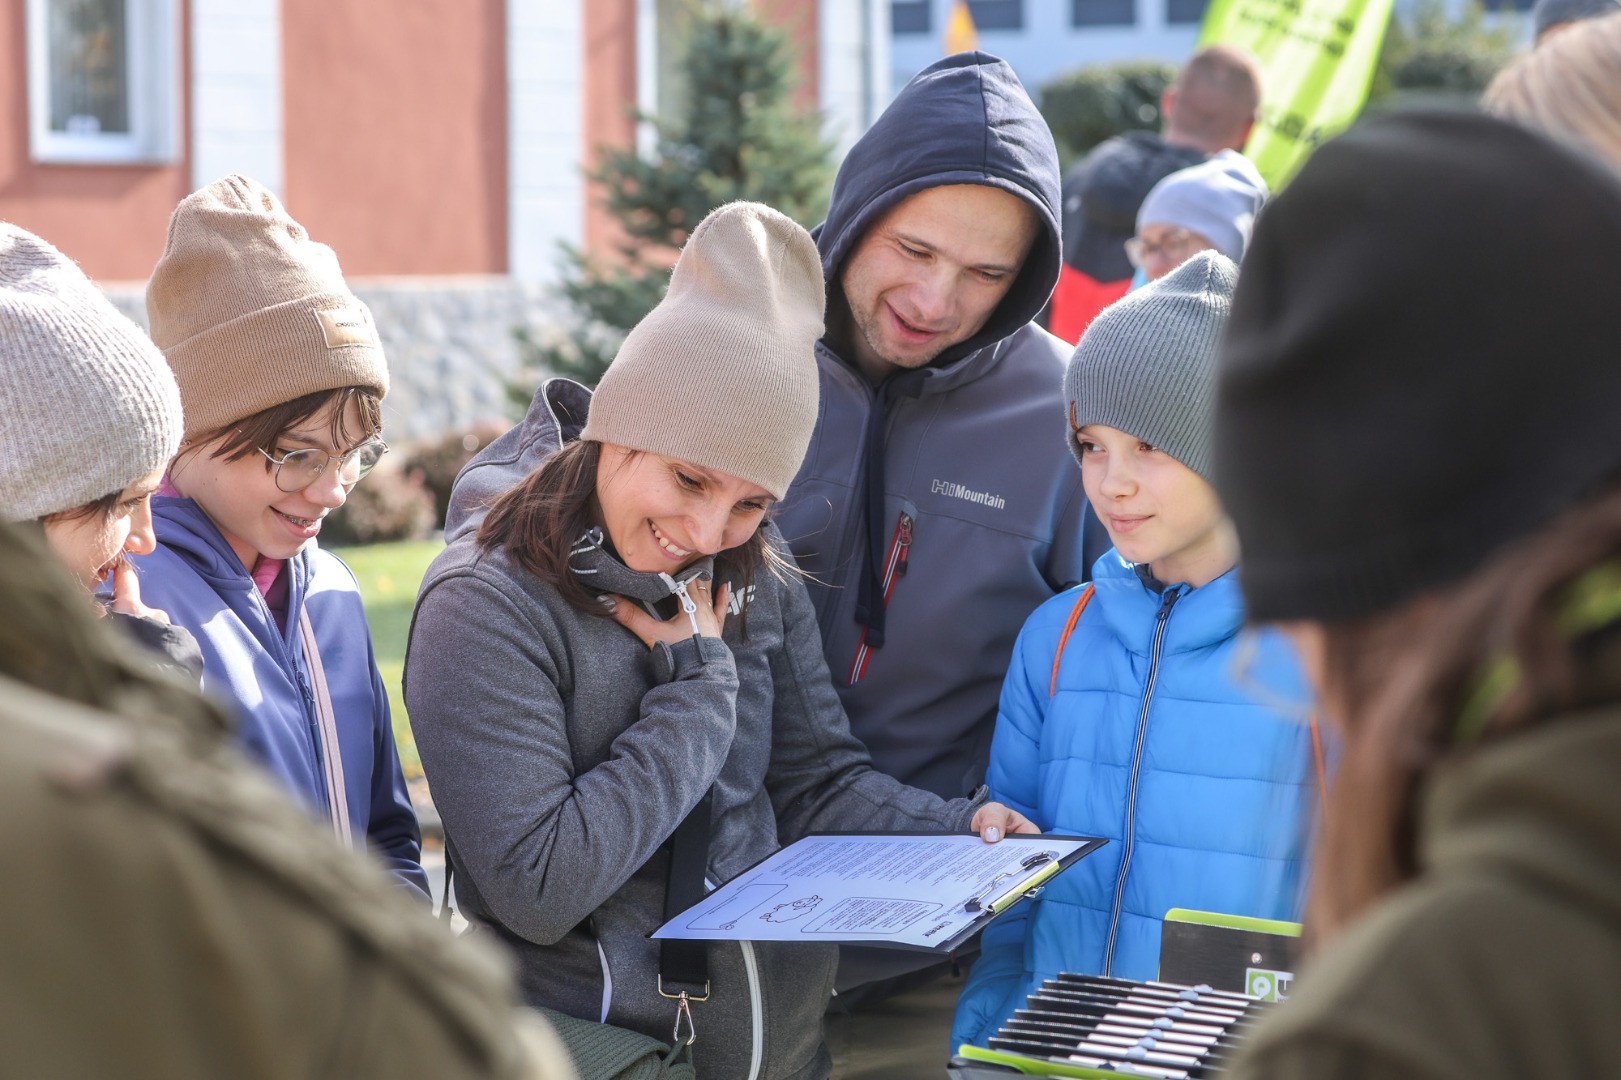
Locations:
column 91, row 417
column 282, row 375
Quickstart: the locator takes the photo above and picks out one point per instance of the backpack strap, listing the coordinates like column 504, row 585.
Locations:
column 1069, row 628
column 1322, row 769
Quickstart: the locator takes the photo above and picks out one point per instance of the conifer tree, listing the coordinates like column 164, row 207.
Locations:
column 734, row 134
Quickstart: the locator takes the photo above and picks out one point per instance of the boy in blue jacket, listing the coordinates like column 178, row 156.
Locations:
column 1129, row 711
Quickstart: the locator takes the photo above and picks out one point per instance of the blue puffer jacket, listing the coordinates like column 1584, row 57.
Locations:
column 1157, row 739
column 259, row 671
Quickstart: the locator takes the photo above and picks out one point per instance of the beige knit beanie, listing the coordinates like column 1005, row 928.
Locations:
column 87, row 405
column 251, row 312
column 722, row 373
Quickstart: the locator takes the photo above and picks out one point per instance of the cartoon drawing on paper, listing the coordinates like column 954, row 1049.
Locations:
column 747, row 899
column 797, row 909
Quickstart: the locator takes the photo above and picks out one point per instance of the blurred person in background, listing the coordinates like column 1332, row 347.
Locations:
column 1206, row 207
column 1212, row 106
column 1419, row 451
column 1569, row 88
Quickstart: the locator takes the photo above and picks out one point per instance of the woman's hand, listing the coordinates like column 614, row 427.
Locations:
column 127, row 594
column 710, row 615
column 994, row 821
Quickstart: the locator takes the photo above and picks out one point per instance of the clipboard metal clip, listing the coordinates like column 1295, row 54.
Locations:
column 981, row 900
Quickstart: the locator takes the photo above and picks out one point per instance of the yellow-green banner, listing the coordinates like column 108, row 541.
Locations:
column 1317, row 58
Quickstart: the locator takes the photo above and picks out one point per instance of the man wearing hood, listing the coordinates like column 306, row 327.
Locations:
column 936, row 507
column 1211, row 107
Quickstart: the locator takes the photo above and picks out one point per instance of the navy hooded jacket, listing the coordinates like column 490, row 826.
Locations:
column 935, row 512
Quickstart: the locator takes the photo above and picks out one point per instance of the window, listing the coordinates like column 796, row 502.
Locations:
column 909, row 17
column 997, row 14
column 101, row 80
column 1184, row 11
column 1103, row 12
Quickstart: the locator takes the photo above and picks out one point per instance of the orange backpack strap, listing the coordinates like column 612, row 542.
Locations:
column 1322, row 769
column 1069, row 628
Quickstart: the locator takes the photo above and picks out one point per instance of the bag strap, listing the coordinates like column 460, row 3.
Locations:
column 327, row 724
column 1063, row 639
column 684, row 965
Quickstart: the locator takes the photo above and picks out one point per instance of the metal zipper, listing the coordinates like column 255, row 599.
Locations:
column 1163, row 617
column 756, row 1011
column 900, row 547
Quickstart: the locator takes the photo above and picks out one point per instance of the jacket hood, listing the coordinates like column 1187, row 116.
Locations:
column 965, row 119
column 182, row 526
column 556, row 415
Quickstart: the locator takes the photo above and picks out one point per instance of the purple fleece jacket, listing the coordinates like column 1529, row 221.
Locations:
column 258, row 670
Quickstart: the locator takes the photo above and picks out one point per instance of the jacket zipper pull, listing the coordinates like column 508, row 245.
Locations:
column 687, row 604
column 1170, row 597
column 905, row 543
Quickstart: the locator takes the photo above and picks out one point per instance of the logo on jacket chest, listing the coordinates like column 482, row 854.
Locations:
column 953, row 490
column 740, row 599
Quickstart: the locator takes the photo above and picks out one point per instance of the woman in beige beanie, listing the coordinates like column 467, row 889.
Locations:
column 613, row 660
column 282, row 377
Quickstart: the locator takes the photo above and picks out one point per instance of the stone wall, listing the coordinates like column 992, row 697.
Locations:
column 450, row 345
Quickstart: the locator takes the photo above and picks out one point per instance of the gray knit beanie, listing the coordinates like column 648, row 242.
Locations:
column 1218, row 199
column 87, row 404
column 723, row 372
column 1147, row 364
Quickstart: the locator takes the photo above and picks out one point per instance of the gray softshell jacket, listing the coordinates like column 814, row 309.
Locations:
column 979, row 507
column 563, row 753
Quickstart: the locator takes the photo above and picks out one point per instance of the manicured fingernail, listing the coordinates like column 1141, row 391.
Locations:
column 992, row 835
column 606, row 601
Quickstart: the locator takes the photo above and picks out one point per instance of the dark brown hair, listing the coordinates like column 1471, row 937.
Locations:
column 1409, row 691
column 96, row 508
column 261, row 430
column 544, row 516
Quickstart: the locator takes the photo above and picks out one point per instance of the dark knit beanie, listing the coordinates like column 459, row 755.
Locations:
column 1546, row 13
column 1423, row 361
column 1147, row 364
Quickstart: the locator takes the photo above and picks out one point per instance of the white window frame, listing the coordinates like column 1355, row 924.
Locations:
column 152, row 33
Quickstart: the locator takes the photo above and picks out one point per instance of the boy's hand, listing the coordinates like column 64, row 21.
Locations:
column 994, row 821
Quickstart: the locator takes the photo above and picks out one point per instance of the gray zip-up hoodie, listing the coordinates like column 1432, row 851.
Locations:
column 563, row 753
column 979, row 506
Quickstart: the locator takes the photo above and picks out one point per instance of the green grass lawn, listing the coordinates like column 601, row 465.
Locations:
column 389, row 575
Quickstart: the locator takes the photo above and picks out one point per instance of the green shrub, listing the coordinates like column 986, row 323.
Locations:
column 1431, row 56
column 1088, row 105
column 390, row 504
column 735, row 133
column 437, row 463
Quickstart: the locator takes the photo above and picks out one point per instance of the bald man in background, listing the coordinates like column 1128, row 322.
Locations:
column 1212, row 106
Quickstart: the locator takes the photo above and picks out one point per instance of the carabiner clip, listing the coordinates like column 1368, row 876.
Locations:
column 683, row 1012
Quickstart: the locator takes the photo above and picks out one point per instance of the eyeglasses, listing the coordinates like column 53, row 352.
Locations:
column 1174, row 245
column 298, row 469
